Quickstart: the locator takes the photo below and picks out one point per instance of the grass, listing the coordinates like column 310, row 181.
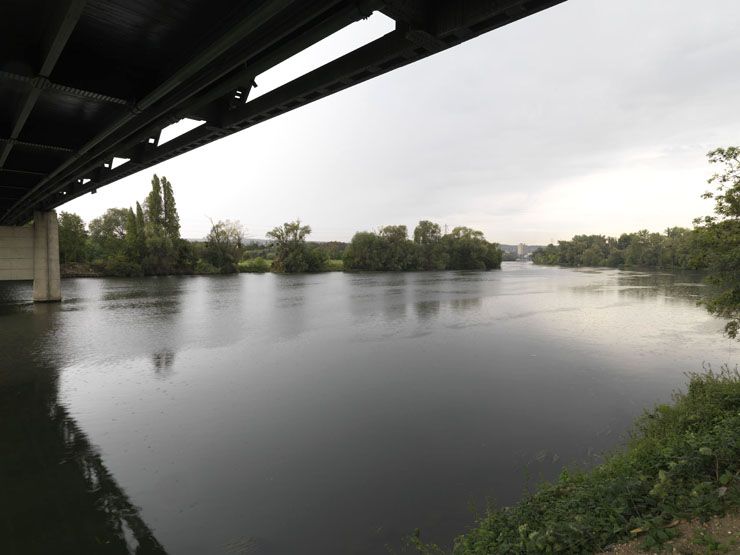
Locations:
column 682, row 461
column 257, row 265
column 261, row 265
column 334, row 265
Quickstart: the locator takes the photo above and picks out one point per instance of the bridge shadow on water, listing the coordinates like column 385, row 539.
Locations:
column 57, row 495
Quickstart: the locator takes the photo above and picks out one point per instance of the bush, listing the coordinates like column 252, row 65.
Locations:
column 255, row 265
column 205, row 267
column 119, row 265
column 682, row 461
column 334, row 265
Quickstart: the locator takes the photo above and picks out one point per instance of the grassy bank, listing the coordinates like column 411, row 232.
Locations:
column 682, row 462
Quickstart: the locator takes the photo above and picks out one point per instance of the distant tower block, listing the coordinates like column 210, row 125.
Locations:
column 521, row 250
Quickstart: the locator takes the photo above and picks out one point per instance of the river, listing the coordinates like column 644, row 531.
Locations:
column 330, row 413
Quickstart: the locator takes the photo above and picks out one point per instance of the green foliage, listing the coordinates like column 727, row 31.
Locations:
column 683, row 461
column 135, row 238
column 469, row 250
column 390, row 250
column 334, row 265
column 205, row 267
column 721, row 238
column 72, row 239
column 334, row 249
column 255, row 265
column 713, row 244
column 120, row 265
column 710, row 544
column 292, row 254
column 107, row 234
column 431, row 251
column 677, row 248
column 170, row 218
column 126, row 242
column 154, row 208
column 160, row 257
column 161, row 229
column 365, row 252
column 224, row 245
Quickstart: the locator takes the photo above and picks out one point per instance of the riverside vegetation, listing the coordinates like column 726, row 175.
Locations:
column 145, row 240
column 713, row 245
column 682, row 460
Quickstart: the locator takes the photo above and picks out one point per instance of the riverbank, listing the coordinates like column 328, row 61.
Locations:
column 681, row 463
column 251, row 266
column 719, row 534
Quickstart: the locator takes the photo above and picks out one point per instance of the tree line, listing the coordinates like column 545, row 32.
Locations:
column 140, row 240
column 677, row 248
column 712, row 245
column 145, row 240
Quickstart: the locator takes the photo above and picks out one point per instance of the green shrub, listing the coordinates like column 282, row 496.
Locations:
column 255, row 265
column 119, row 265
column 204, row 267
column 334, row 265
column 682, row 461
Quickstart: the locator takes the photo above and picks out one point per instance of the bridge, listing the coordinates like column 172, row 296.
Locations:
column 85, row 82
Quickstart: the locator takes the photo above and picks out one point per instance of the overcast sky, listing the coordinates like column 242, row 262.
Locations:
column 591, row 117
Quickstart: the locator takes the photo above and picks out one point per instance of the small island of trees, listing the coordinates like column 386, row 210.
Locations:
column 391, row 250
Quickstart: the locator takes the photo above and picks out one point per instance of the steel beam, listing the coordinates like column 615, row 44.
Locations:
column 257, row 17
column 379, row 56
column 423, row 28
column 57, row 148
column 44, row 84
column 54, row 47
column 259, row 58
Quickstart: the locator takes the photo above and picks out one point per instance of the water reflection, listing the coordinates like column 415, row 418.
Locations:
column 427, row 309
column 681, row 286
column 163, row 362
column 465, row 304
column 58, row 495
column 290, row 305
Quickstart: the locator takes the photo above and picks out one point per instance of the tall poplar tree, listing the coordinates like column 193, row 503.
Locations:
column 171, row 218
column 140, row 221
column 154, row 208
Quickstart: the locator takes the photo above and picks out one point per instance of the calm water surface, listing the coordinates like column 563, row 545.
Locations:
column 325, row 413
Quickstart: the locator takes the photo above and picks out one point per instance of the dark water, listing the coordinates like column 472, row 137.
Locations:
column 326, row 413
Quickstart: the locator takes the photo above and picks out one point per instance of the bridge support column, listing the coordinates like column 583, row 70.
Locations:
column 47, row 283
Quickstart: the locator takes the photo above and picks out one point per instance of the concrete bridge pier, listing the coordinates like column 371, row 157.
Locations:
column 32, row 252
column 47, row 283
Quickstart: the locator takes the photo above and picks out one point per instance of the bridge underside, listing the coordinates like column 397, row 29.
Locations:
column 82, row 82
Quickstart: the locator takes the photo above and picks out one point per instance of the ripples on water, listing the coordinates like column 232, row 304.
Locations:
column 327, row 413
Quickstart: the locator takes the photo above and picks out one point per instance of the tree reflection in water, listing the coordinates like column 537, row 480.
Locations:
column 163, row 362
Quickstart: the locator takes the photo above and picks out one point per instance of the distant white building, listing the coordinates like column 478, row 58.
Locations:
column 521, row 250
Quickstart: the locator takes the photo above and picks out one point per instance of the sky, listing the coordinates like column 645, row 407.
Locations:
column 594, row 116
